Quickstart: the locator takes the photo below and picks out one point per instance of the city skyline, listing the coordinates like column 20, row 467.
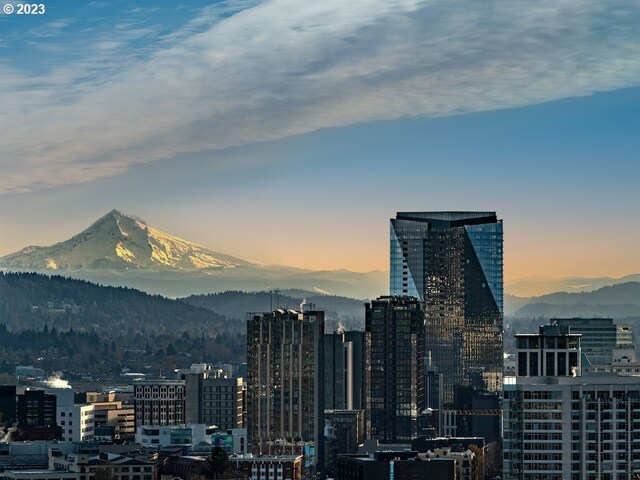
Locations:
column 440, row 116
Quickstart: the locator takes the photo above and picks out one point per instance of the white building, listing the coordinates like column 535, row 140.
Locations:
column 562, row 425
column 163, row 435
column 76, row 420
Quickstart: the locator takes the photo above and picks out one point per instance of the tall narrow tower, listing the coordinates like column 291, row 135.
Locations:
column 285, row 383
column 394, row 368
column 453, row 262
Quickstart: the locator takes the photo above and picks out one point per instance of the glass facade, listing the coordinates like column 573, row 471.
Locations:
column 394, row 368
column 453, row 262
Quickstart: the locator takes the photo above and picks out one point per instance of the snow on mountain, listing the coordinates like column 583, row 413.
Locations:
column 121, row 242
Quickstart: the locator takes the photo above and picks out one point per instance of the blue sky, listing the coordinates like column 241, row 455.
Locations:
column 290, row 132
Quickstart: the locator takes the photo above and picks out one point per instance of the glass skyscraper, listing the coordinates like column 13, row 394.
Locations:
column 453, row 263
column 394, row 368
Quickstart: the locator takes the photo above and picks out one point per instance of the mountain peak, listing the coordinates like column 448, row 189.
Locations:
column 119, row 214
column 119, row 241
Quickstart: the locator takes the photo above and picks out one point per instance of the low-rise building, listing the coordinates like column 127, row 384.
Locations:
column 281, row 467
column 398, row 465
column 159, row 402
column 164, row 435
column 468, row 466
column 117, row 467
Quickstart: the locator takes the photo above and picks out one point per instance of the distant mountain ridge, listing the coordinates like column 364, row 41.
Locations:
column 344, row 312
column 542, row 285
column 616, row 301
column 123, row 250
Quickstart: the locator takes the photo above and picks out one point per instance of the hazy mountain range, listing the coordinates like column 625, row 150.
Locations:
column 616, row 301
column 123, row 250
column 542, row 285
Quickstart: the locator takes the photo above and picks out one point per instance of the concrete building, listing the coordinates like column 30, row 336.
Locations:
column 164, row 435
column 113, row 414
column 233, row 441
column 561, row 424
column 43, row 474
column 85, row 466
column 600, row 336
column 467, row 465
column 159, row 402
column 76, row 421
column 214, row 399
column 282, row 467
column 285, row 370
column 25, row 455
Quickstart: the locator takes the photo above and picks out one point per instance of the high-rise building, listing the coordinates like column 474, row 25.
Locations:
column 562, row 424
column 452, row 262
column 343, row 357
column 394, row 368
column 285, row 383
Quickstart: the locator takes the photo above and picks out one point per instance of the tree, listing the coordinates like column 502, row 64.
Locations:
column 104, row 474
column 217, row 465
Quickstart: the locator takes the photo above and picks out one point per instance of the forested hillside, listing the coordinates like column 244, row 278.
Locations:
column 60, row 323
column 344, row 311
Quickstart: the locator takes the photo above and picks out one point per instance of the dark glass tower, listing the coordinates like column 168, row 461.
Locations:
column 394, row 368
column 452, row 262
column 343, row 352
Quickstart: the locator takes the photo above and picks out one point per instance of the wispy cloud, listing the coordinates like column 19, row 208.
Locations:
column 285, row 67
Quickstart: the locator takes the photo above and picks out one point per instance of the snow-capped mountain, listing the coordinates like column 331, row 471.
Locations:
column 118, row 241
column 123, row 250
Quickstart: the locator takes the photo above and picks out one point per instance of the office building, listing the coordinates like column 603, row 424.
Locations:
column 214, row 400
column 159, row 402
column 600, row 336
column 562, row 424
column 394, row 368
column 452, row 262
column 36, row 416
column 285, row 383
column 343, row 356
column 76, row 420
column 189, row 434
column 281, row 467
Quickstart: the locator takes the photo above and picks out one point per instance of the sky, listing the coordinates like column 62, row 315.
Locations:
column 289, row 132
